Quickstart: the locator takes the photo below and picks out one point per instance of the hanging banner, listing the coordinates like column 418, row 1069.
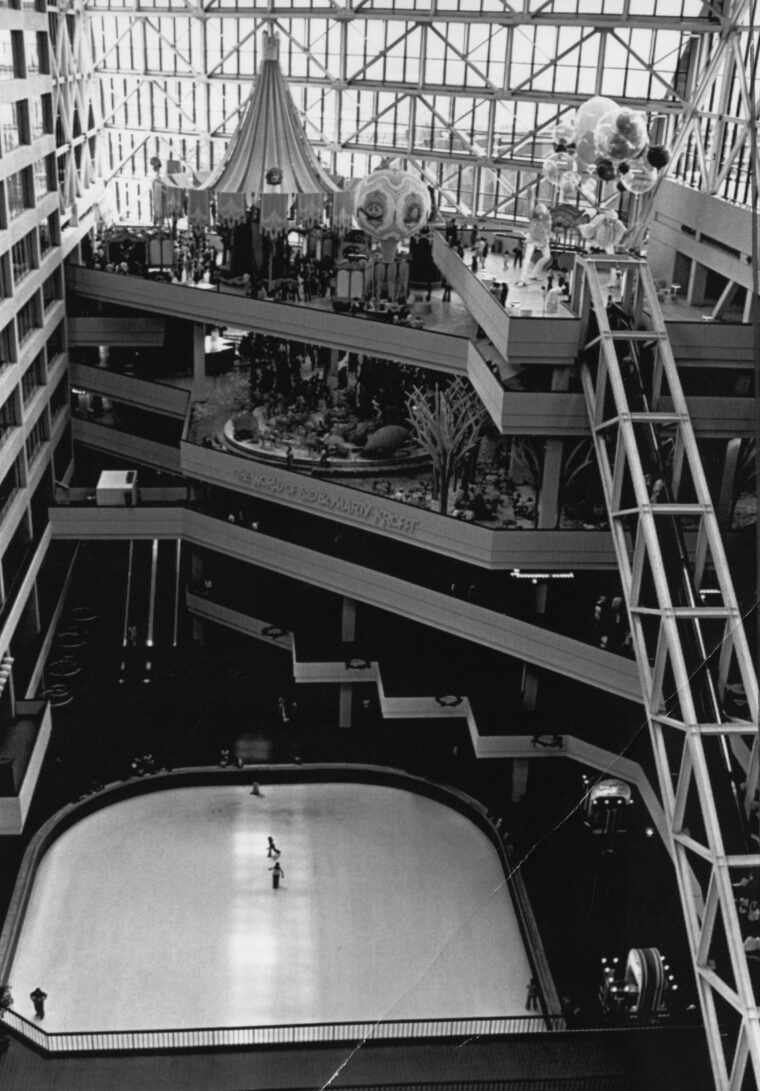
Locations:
column 343, row 210
column 174, row 201
column 309, row 209
column 274, row 213
column 198, row 208
column 230, row 208
column 159, row 210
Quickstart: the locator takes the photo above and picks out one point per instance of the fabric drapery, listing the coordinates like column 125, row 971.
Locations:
column 198, row 212
column 274, row 213
column 230, row 207
column 174, row 201
column 159, row 203
column 309, row 208
column 343, row 210
column 270, row 136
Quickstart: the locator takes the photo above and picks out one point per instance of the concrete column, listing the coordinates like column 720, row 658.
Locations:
column 695, row 290
column 529, row 687
column 548, row 500
column 519, row 785
column 29, row 623
column 348, row 621
column 196, row 566
column 345, row 701
column 750, row 302
column 199, row 359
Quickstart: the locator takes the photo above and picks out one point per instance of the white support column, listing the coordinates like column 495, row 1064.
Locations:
column 345, row 701
column 348, row 621
column 695, row 721
column 548, row 500
column 199, row 359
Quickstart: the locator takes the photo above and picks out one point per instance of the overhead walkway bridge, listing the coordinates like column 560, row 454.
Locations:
column 689, row 640
column 504, row 633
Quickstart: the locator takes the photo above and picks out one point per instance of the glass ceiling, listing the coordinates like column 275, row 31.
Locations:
column 466, row 92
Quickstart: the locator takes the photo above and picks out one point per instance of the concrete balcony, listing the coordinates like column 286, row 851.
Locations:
column 23, row 745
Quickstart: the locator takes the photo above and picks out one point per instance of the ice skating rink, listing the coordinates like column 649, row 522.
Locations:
column 159, row 912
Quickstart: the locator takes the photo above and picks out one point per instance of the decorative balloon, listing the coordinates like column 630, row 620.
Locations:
column 391, row 205
column 564, row 136
column 605, row 169
column 556, row 165
column 621, row 134
column 587, row 118
column 639, row 177
column 658, row 156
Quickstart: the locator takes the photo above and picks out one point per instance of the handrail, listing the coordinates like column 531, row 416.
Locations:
column 270, row 1035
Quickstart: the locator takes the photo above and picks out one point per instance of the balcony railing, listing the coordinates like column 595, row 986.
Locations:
column 127, row 1041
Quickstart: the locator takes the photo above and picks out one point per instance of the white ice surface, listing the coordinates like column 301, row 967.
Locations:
column 159, row 912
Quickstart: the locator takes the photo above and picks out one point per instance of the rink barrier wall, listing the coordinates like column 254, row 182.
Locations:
column 303, row 1034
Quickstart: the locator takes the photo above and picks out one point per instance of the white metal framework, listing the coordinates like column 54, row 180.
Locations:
column 688, row 638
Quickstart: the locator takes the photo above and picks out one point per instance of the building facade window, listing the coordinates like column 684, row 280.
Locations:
column 35, row 440
column 8, row 487
column 51, row 290
column 10, row 126
column 28, row 319
column 35, row 54
column 22, row 258
column 48, row 230
column 7, row 354
column 55, row 344
column 33, row 378
column 7, row 56
column 44, row 177
column 18, row 191
column 59, row 400
column 40, row 116
column 8, row 418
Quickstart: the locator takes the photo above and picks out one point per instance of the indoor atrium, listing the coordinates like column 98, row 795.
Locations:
column 379, row 440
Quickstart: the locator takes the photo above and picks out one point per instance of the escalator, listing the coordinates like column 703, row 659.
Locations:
column 150, row 631
column 687, row 634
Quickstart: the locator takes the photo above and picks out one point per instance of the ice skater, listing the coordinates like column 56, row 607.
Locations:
column 38, row 998
column 277, row 874
column 272, row 849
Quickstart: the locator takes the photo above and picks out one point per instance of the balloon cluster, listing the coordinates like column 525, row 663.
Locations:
column 608, row 141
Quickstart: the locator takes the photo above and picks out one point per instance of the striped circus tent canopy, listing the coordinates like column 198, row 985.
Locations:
column 269, row 152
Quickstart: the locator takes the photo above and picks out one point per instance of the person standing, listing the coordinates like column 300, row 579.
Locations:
column 517, row 256
column 531, row 1003
column 446, row 297
column 38, row 998
column 272, row 849
column 277, row 874
column 503, row 293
